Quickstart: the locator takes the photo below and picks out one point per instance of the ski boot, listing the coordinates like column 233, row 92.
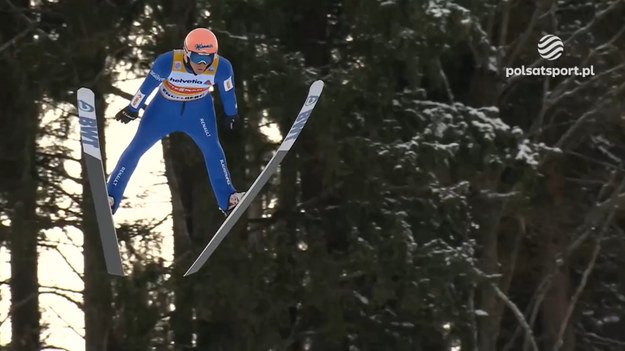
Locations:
column 234, row 200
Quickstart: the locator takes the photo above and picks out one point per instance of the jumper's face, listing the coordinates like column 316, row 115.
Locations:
column 198, row 68
column 199, row 62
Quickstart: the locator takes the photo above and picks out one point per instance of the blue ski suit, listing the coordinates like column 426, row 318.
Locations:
column 183, row 103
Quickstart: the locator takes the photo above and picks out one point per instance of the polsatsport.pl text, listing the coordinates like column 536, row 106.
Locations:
column 550, row 71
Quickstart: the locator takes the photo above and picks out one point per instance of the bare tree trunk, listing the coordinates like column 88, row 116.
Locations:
column 306, row 159
column 180, row 17
column 19, row 119
column 555, row 241
column 181, row 322
column 489, row 302
column 556, row 302
column 24, row 228
column 25, row 326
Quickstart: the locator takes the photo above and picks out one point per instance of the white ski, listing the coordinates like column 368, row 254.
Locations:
column 95, row 172
column 313, row 95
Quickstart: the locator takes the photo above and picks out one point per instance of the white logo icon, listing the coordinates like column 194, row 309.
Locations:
column 550, row 47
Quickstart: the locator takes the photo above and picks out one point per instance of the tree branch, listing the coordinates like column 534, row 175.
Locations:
column 524, row 37
column 62, row 289
column 66, row 297
column 32, row 24
column 17, row 304
column 578, row 123
column 56, row 186
column 578, row 292
column 519, row 316
column 67, row 324
column 111, row 89
column 68, row 263
column 606, row 340
column 17, row 37
column 559, row 261
column 54, row 347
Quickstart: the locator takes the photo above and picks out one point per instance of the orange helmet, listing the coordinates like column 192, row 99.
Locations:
column 200, row 45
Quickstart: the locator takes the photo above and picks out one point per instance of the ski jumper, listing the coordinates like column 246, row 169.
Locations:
column 182, row 104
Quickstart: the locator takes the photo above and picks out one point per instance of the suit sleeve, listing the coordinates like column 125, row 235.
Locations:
column 225, row 83
column 160, row 70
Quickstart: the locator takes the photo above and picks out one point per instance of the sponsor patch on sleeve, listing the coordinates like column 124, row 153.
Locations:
column 228, row 84
column 136, row 100
column 156, row 76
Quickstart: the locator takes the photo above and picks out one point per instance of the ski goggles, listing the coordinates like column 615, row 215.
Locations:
column 200, row 58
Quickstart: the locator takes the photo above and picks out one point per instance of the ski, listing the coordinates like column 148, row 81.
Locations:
column 313, row 95
column 95, row 173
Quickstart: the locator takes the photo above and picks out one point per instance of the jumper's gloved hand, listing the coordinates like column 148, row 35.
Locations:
column 126, row 115
column 230, row 122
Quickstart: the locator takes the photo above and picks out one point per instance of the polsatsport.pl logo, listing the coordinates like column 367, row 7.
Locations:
column 550, row 47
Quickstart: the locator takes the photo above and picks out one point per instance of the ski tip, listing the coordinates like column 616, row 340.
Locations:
column 318, row 84
column 84, row 90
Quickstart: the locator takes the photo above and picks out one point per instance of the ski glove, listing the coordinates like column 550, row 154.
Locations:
column 230, row 122
column 126, row 115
